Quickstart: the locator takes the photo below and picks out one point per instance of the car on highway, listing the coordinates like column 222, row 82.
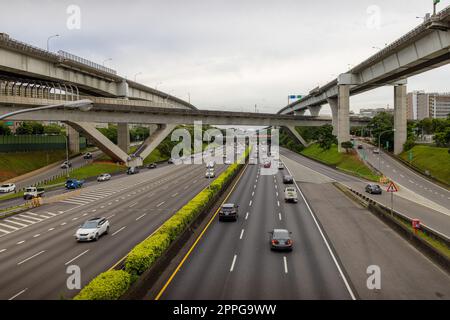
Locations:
column 171, row 161
column 73, row 183
column 210, row 165
column 87, row 155
column 229, row 211
column 210, row 174
column 66, row 165
column 104, row 177
column 280, row 239
column 132, row 170
column 152, row 166
column 33, row 192
column 252, row 161
column 227, row 161
column 376, row 151
column 280, row 165
column 7, row 187
column 373, row 188
column 290, row 194
column 287, row 179
column 92, row 229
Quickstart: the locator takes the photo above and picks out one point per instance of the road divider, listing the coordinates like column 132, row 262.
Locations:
column 113, row 284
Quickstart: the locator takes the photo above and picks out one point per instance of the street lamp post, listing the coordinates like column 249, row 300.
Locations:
column 67, row 155
column 379, row 146
column 135, row 76
column 48, row 40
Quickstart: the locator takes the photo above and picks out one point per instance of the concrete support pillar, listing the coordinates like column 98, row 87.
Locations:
column 400, row 124
column 294, row 133
column 152, row 128
column 333, row 102
column 343, row 118
column 123, row 136
column 315, row 111
column 73, row 139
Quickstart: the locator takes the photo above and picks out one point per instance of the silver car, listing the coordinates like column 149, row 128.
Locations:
column 104, row 177
column 280, row 239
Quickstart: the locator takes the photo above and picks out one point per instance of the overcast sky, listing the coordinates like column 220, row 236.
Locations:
column 229, row 54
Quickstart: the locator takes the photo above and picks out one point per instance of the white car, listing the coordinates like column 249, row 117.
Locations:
column 92, row 229
column 104, row 177
column 376, row 151
column 210, row 174
column 7, row 187
column 227, row 161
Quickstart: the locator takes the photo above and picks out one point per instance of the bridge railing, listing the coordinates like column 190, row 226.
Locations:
column 38, row 89
column 69, row 56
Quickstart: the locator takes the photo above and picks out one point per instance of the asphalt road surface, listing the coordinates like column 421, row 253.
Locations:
column 233, row 260
column 414, row 209
column 36, row 247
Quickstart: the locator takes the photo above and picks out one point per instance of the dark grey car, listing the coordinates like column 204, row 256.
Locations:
column 229, row 211
column 373, row 189
column 280, row 239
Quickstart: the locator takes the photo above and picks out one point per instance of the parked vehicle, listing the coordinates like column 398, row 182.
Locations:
column 7, row 187
column 87, row 155
column 92, row 229
column 287, row 179
column 132, row 170
column 104, row 177
column 290, row 194
column 152, row 166
column 373, row 189
column 229, row 211
column 280, row 239
column 66, row 164
column 74, row 183
column 33, row 192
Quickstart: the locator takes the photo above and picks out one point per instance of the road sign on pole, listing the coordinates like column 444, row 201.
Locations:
column 392, row 188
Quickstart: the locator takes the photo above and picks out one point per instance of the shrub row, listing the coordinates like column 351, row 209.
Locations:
column 113, row 284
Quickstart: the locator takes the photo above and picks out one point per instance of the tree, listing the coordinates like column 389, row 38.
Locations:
column 383, row 122
column 347, row 145
column 110, row 133
column 325, row 137
column 24, row 128
column 442, row 139
column 38, row 128
column 4, row 130
column 52, row 129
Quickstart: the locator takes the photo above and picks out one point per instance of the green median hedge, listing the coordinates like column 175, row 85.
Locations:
column 113, row 284
column 109, row 285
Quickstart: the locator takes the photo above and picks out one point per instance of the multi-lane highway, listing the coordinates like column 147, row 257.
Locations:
column 403, row 175
column 408, row 203
column 233, row 260
column 36, row 247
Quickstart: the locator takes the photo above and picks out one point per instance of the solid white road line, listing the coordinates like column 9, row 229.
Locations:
column 8, row 226
column 84, row 252
column 160, row 204
column 4, row 231
column 350, row 291
column 33, row 256
column 24, row 220
column 138, row 218
column 285, row 264
column 133, row 204
column 118, row 231
column 18, row 294
column 232, row 264
column 242, row 233
column 28, row 217
column 15, row 222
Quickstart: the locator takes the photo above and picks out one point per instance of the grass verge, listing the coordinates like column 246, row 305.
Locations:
column 432, row 159
column 347, row 162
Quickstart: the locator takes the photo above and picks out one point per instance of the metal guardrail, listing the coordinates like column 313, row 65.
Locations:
column 69, row 56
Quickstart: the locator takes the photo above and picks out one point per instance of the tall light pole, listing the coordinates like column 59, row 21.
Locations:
column 48, row 40
column 379, row 146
